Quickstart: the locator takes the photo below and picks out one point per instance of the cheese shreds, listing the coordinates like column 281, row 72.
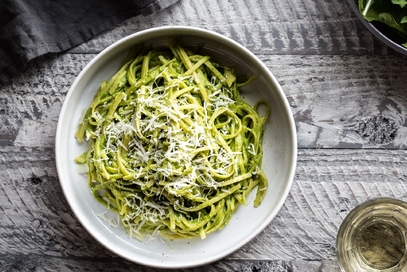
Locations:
column 173, row 148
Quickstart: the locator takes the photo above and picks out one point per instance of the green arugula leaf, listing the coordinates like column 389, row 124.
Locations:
column 365, row 9
column 389, row 20
column 392, row 13
column 402, row 3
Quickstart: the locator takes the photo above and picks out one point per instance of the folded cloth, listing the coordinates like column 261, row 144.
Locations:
column 31, row 28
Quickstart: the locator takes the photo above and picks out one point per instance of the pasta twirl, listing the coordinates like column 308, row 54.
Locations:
column 173, row 148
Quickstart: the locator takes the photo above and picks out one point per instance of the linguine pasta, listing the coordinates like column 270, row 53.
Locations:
column 173, row 148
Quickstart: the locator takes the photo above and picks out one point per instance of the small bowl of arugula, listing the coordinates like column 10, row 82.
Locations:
column 386, row 19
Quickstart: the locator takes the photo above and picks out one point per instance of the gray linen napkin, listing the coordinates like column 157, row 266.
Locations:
column 31, row 28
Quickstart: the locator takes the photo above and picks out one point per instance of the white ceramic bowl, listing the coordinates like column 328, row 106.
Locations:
column 279, row 161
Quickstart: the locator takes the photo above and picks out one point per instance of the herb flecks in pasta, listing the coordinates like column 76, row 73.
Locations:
column 173, row 148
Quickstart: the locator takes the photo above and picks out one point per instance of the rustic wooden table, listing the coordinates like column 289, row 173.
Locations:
column 347, row 92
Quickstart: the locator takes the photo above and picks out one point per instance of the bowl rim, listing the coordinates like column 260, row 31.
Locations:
column 187, row 30
column 380, row 35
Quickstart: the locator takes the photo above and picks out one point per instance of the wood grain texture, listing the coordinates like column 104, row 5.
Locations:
column 337, row 101
column 273, row 27
column 345, row 101
column 39, row 263
column 348, row 95
column 328, row 184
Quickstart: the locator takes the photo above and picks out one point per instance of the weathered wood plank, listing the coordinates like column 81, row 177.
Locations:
column 30, row 103
column 29, row 263
column 36, row 219
column 337, row 101
column 348, row 95
column 345, row 101
column 272, row 27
